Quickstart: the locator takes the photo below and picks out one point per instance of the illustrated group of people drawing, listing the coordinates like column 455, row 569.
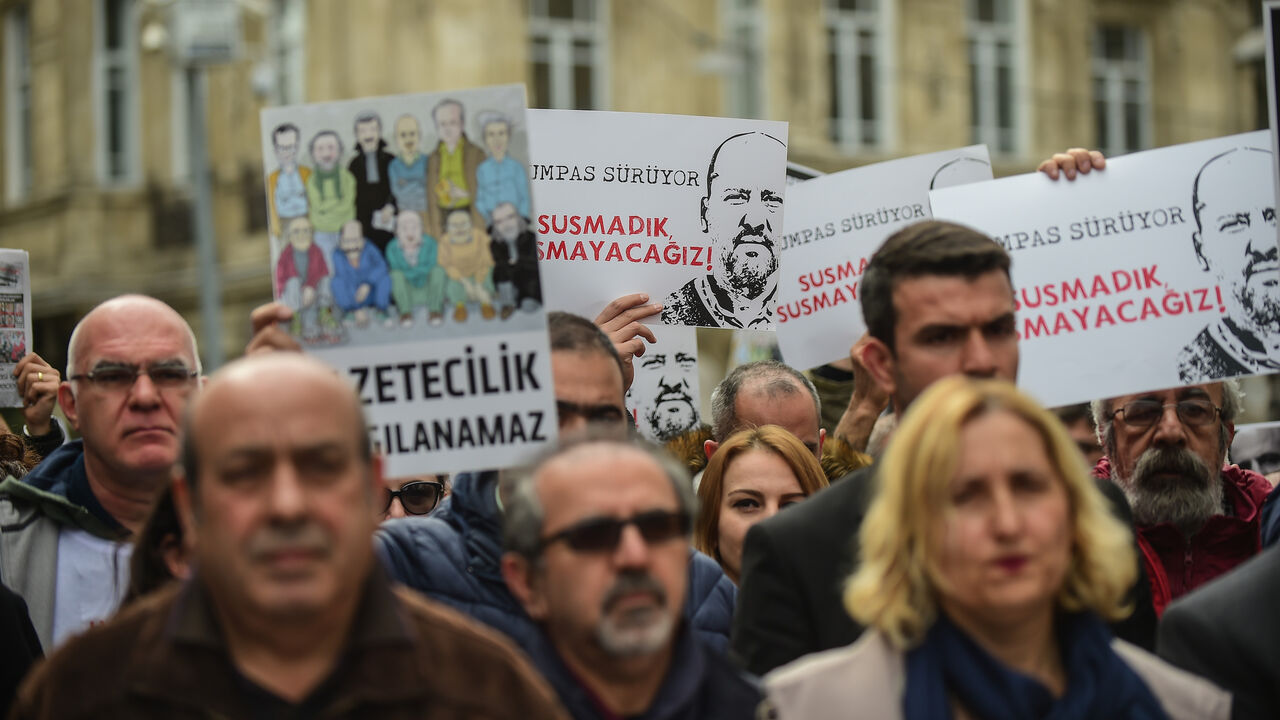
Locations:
column 418, row 236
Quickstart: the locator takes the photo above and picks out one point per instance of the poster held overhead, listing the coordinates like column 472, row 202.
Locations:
column 663, row 398
column 1158, row 272
column 15, row 320
column 686, row 209
column 406, row 253
column 835, row 223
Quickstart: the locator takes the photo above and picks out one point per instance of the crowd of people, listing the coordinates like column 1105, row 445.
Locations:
column 228, row 546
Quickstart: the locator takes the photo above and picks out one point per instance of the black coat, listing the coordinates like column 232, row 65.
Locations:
column 19, row 646
column 373, row 196
column 1228, row 631
column 794, row 566
column 523, row 272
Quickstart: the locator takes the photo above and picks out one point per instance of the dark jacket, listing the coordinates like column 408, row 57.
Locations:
column 1225, row 541
column 371, row 197
column 21, row 646
column 165, row 657
column 700, row 685
column 1227, row 632
column 521, row 272
column 794, row 565
column 453, row 556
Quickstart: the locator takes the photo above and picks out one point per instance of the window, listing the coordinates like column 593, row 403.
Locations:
column 744, row 42
column 993, row 77
column 18, row 141
column 567, row 50
column 116, row 102
column 1121, row 97
column 288, row 51
column 857, row 46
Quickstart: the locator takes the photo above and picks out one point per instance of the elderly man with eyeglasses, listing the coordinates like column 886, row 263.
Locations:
column 597, row 551
column 132, row 366
column 1195, row 517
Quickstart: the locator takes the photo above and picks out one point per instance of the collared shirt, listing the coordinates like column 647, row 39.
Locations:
column 409, row 183
column 291, row 195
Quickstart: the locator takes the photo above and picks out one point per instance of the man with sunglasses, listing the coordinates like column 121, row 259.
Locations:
column 1195, row 517
column 132, row 365
column 453, row 556
column 597, row 551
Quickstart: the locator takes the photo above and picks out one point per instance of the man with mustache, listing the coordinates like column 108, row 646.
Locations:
column 65, row 528
column 662, row 396
column 742, row 217
column 1195, row 517
column 597, row 552
column 288, row 613
column 1235, row 241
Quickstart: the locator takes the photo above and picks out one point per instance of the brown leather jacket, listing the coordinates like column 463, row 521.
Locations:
column 406, row 657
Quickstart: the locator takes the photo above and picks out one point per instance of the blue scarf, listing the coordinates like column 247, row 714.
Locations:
column 1099, row 684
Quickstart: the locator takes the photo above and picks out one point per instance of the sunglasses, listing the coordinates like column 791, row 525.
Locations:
column 603, row 534
column 418, row 497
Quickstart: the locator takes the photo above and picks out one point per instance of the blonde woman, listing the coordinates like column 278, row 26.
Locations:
column 989, row 566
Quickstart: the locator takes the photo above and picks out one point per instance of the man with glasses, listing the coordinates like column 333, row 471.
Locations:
column 1196, row 518
column 597, row 551
column 132, row 365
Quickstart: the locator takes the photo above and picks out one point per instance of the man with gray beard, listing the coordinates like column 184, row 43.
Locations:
column 597, row 541
column 1195, row 517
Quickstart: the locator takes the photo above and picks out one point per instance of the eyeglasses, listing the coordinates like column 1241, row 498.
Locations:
column 418, row 497
column 603, row 534
column 118, row 378
column 1142, row 414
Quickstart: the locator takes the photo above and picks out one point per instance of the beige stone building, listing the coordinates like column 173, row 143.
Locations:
column 94, row 171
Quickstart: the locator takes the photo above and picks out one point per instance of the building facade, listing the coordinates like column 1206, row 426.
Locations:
column 96, row 181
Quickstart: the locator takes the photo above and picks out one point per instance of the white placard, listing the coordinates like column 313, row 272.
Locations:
column 663, row 399
column 633, row 202
column 1256, row 447
column 1157, row 272
column 400, row 235
column 15, row 321
column 834, row 224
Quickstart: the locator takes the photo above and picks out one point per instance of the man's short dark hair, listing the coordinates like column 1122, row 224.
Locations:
column 931, row 247
column 573, row 333
column 284, row 128
column 367, row 116
column 768, row 376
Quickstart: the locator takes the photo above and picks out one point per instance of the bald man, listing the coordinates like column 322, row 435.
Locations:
column 741, row 215
column 1235, row 241
column 132, row 365
column 288, row 614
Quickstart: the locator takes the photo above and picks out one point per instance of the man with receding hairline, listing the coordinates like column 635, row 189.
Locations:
column 132, row 365
column 288, row 613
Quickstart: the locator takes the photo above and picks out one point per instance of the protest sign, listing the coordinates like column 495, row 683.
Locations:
column 686, row 209
column 15, row 321
column 405, row 251
column 1157, row 272
column 1271, row 35
column 1256, row 447
column 834, row 224
column 663, row 399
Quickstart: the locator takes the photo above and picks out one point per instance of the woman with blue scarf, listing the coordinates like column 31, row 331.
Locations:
column 990, row 565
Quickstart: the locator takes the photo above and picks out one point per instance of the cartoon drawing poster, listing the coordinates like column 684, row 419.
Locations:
column 835, row 223
column 1157, row 272
column 686, row 209
column 663, row 398
column 401, row 238
column 15, row 320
